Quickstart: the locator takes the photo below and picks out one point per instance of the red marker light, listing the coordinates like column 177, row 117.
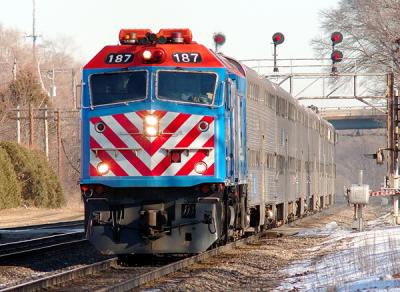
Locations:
column 158, row 56
column 278, row 38
column 84, row 188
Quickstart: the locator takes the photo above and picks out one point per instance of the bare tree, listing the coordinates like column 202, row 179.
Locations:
column 57, row 65
column 371, row 30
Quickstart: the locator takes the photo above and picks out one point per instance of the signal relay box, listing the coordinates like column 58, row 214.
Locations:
column 359, row 194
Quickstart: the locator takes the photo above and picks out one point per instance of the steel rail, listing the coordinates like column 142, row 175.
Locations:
column 47, row 225
column 24, row 247
column 62, row 277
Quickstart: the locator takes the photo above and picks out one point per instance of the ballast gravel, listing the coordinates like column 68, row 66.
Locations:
column 260, row 266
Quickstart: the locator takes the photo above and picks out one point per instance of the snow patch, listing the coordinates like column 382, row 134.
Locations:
column 348, row 261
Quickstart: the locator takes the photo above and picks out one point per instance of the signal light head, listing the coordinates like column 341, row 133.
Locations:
column 336, row 37
column 278, row 38
column 219, row 39
column 336, row 56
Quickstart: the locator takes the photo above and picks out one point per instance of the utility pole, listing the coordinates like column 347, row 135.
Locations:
column 393, row 143
column 34, row 36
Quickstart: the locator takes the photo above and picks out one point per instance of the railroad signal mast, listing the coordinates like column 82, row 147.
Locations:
column 277, row 39
column 392, row 180
column 336, row 55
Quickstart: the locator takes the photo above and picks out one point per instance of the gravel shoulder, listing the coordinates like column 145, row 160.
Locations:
column 31, row 216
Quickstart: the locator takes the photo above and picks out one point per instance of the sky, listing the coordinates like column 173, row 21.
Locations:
column 247, row 24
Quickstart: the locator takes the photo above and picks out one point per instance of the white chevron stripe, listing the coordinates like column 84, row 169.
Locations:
column 116, row 155
column 136, row 120
column 167, row 119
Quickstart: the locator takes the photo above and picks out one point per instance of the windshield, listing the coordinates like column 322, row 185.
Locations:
column 193, row 87
column 109, row 88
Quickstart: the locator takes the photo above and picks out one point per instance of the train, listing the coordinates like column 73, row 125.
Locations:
column 184, row 149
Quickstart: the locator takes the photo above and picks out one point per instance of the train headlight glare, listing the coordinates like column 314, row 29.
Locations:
column 151, row 131
column 103, row 168
column 151, row 120
column 200, row 167
column 146, row 55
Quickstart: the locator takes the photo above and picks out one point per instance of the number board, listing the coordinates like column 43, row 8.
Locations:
column 119, row 58
column 190, row 57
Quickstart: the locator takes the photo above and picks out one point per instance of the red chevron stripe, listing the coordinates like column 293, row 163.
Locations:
column 129, row 155
column 189, row 166
column 93, row 171
column 210, row 170
column 193, row 133
column 104, row 156
column 162, row 166
column 210, row 142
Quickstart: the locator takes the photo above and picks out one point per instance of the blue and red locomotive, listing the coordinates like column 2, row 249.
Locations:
column 183, row 148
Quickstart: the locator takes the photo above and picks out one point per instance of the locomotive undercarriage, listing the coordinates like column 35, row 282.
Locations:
column 180, row 220
column 163, row 220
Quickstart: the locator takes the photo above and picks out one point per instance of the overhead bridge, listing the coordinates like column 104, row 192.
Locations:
column 348, row 118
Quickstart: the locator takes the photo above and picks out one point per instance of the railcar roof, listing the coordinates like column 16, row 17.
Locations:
column 283, row 94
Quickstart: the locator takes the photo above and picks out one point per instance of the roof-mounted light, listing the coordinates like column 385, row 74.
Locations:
column 146, row 36
column 132, row 36
column 177, row 35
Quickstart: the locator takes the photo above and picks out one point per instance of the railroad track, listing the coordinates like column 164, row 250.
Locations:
column 122, row 278
column 109, row 275
column 64, row 224
column 21, row 248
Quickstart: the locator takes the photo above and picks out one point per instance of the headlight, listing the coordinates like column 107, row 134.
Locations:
column 151, row 131
column 151, row 120
column 146, row 55
column 103, row 168
column 200, row 167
